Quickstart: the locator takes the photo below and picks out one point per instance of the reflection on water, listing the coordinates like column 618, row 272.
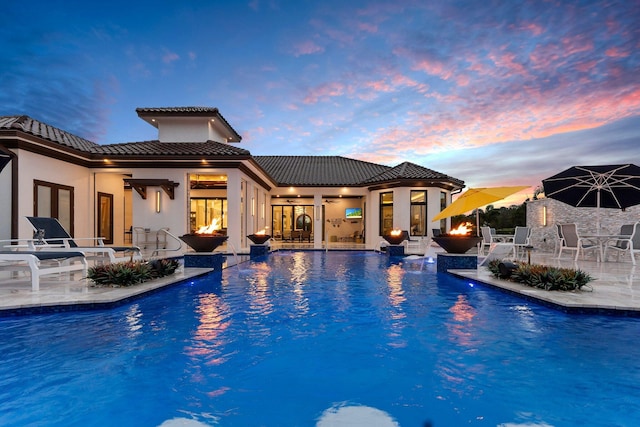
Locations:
column 396, row 296
column 209, row 339
column 299, row 279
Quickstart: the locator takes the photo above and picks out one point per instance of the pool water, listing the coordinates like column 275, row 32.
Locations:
column 321, row 339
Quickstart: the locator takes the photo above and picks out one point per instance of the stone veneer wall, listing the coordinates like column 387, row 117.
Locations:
column 543, row 238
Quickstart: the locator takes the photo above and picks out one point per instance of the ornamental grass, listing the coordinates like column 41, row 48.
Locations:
column 131, row 273
column 543, row 276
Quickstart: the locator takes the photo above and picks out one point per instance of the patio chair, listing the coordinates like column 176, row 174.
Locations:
column 39, row 263
column 558, row 241
column 55, row 236
column 487, row 239
column 630, row 243
column 521, row 239
column 573, row 242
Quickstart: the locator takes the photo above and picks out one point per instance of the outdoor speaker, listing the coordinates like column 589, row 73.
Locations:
column 506, row 268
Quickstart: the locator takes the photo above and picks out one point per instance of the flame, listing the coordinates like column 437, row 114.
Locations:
column 462, row 230
column 261, row 232
column 395, row 233
column 209, row 229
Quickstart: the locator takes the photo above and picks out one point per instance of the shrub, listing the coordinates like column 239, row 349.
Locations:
column 131, row 273
column 544, row 277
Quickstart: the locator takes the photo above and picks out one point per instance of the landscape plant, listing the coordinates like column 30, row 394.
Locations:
column 542, row 276
column 131, row 273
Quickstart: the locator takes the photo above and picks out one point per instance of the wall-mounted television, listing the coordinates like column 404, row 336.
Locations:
column 353, row 213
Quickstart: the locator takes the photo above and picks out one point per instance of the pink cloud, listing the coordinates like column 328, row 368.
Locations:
column 170, row 57
column 324, row 91
column 306, row 48
column 616, row 52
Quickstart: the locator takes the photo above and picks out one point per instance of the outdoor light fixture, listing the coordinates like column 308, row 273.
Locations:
column 158, row 199
column 263, row 210
column 253, row 206
column 544, row 216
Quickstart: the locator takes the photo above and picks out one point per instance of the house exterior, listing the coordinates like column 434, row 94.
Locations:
column 195, row 174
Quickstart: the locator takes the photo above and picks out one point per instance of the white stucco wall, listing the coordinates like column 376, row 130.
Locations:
column 184, row 129
column 58, row 172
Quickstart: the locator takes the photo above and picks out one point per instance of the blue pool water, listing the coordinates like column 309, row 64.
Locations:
column 296, row 338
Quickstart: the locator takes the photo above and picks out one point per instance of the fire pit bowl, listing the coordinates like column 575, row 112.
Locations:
column 395, row 239
column 203, row 242
column 259, row 239
column 457, row 244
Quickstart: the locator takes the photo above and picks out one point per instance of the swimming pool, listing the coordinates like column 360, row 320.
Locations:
column 305, row 338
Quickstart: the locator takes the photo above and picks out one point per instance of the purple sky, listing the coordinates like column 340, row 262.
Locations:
column 491, row 92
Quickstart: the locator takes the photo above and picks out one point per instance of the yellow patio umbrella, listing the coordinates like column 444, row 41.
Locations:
column 474, row 198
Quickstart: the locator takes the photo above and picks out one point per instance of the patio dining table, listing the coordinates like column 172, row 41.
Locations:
column 601, row 240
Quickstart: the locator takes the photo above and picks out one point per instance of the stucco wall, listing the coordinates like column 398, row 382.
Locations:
column 542, row 237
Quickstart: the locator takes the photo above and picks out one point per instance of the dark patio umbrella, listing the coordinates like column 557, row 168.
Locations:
column 610, row 186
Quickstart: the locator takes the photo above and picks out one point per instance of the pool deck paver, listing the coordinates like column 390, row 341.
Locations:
column 616, row 287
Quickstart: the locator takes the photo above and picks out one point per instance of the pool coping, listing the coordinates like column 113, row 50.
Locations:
column 566, row 301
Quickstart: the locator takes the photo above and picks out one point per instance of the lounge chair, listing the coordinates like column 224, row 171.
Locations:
column 410, row 245
column 630, row 243
column 57, row 238
column 39, row 263
column 499, row 250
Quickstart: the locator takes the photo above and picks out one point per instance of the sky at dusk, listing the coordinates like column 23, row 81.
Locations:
column 490, row 92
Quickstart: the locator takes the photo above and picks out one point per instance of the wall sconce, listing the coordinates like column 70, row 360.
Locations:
column 544, row 216
column 263, row 210
column 253, row 206
column 158, row 199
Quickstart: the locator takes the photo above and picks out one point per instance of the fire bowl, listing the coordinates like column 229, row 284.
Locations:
column 203, row 242
column 394, row 240
column 457, row 244
column 259, row 239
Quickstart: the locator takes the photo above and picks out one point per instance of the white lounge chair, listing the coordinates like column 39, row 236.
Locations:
column 39, row 263
column 499, row 250
column 58, row 239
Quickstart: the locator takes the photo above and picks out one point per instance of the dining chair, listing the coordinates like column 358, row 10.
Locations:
column 487, row 239
column 573, row 242
column 521, row 239
column 559, row 240
column 630, row 243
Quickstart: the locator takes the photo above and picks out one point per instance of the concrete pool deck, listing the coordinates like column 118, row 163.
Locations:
column 616, row 288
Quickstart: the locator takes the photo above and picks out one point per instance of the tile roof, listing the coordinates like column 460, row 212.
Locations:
column 146, row 113
column 318, row 170
column 48, row 132
column 411, row 171
column 157, row 148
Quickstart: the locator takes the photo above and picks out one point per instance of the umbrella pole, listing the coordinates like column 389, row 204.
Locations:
column 477, row 222
column 598, row 211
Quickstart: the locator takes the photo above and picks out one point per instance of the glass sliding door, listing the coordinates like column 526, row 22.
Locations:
column 54, row 201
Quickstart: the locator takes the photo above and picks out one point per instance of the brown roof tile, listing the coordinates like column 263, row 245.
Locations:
column 156, row 148
column 48, row 132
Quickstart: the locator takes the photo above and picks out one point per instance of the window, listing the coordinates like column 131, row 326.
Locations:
column 54, row 201
column 443, row 205
column 418, row 212
column 207, row 211
column 386, row 213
